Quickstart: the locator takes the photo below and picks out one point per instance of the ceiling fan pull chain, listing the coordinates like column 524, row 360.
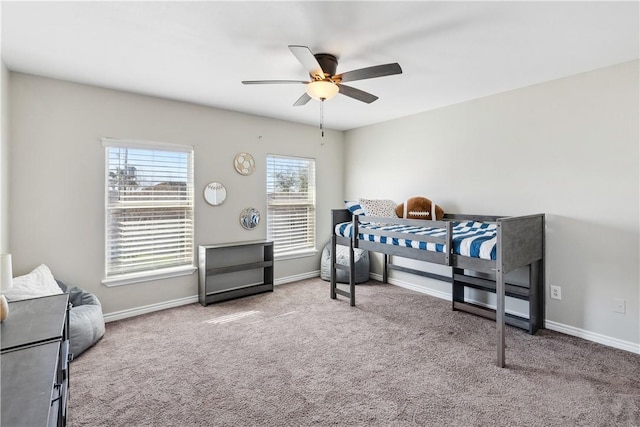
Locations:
column 322, row 115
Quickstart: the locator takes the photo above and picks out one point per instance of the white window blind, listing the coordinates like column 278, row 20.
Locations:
column 149, row 208
column 291, row 204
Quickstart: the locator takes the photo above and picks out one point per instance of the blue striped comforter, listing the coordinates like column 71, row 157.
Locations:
column 472, row 239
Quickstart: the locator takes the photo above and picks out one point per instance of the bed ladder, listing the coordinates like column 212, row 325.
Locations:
column 351, row 268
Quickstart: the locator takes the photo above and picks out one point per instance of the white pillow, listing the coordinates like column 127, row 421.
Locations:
column 38, row 283
column 383, row 208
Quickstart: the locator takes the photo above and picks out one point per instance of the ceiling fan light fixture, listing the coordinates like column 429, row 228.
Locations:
column 322, row 89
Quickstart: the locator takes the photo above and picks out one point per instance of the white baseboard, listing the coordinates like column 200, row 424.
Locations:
column 593, row 336
column 297, row 277
column 548, row 324
column 413, row 287
column 137, row 311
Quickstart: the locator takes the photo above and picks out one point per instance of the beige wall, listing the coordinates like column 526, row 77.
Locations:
column 4, row 159
column 57, row 178
column 568, row 148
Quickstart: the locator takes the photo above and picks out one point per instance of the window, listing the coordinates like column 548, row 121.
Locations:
column 149, row 211
column 291, row 204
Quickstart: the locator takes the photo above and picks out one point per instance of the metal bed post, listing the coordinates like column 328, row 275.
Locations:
column 500, row 324
column 385, row 269
column 334, row 247
column 536, row 297
column 352, row 262
column 500, row 300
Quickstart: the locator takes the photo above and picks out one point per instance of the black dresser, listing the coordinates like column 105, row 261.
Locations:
column 35, row 362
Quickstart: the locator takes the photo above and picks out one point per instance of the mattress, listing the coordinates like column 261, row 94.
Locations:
column 471, row 239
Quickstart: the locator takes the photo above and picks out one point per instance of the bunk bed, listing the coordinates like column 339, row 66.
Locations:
column 481, row 250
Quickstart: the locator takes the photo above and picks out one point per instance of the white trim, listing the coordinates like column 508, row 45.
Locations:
column 593, row 336
column 413, row 287
column 137, row 311
column 287, row 157
column 146, row 276
column 297, row 277
column 293, row 255
column 146, row 145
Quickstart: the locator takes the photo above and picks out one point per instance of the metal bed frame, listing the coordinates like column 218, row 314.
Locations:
column 520, row 244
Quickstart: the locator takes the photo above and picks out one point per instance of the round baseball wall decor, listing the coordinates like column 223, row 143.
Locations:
column 215, row 193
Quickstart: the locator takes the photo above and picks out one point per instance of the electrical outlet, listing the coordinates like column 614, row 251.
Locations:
column 619, row 305
column 556, row 292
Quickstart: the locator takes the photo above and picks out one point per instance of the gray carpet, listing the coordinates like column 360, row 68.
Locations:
column 295, row 357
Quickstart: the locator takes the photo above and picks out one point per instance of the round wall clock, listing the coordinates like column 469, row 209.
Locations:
column 244, row 163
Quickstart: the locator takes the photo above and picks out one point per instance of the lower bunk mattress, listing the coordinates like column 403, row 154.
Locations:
column 471, row 238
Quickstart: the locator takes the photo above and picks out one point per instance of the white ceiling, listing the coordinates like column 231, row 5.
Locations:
column 200, row 51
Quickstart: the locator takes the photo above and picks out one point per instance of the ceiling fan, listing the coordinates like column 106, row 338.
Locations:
column 325, row 83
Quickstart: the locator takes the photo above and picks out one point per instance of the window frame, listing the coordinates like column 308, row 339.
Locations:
column 311, row 249
column 187, row 268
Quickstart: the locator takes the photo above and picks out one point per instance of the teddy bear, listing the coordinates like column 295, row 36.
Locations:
column 419, row 208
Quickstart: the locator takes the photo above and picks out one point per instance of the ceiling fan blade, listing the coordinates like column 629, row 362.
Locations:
column 302, row 100
column 370, row 72
column 358, row 94
column 308, row 61
column 271, row 82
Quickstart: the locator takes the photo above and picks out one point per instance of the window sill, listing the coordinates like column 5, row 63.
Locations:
column 294, row 255
column 128, row 279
